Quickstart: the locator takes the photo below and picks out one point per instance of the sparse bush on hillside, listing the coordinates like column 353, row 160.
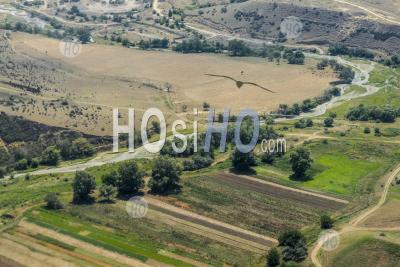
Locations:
column 52, row 201
column 341, row 49
column 328, row 122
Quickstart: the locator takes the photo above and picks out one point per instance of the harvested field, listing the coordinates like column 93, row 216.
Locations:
column 136, row 79
column 299, row 196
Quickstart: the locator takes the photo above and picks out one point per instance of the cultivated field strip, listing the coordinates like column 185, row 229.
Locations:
column 275, row 190
column 210, row 223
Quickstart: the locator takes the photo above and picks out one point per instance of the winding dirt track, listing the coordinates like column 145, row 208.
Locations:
column 369, row 11
column 352, row 226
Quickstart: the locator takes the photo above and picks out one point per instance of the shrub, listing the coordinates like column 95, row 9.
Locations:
column 51, row 156
column 21, row 165
column 326, row 222
column 52, row 201
column 273, row 258
column 328, row 122
column 197, row 162
column 107, row 191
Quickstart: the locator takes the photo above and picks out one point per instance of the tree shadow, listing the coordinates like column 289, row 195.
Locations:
column 249, row 171
column 303, row 178
column 89, row 201
column 172, row 191
column 126, row 197
column 106, row 201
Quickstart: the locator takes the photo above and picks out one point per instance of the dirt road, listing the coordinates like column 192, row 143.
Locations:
column 353, row 224
column 368, row 11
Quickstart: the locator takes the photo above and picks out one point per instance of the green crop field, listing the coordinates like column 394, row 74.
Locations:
column 142, row 239
column 342, row 167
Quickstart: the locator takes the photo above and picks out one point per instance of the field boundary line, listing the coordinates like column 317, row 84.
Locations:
column 250, row 178
column 172, row 209
column 200, row 228
column 83, row 245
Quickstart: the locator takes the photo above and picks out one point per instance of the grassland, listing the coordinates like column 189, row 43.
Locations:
column 342, row 167
column 365, row 249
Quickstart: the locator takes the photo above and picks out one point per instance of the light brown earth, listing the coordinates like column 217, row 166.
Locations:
column 113, row 76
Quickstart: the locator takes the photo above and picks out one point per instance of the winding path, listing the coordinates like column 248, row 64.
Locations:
column 353, row 225
column 369, row 11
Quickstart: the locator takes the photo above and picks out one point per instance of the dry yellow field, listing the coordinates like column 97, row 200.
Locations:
column 113, row 76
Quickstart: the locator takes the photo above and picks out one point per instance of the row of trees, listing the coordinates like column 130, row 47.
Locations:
column 128, row 179
column 51, row 156
column 393, row 61
column 345, row 74
column 308, row 104
column 341, row 49
column 153, row 44
column 239, row 48
column 59, row 32
column 381, row 114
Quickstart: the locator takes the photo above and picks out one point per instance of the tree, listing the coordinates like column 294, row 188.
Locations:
column 156, row 127
column 110, row 178
column 301, row 162
column 52, row 201
column 51, row 156
column 165, row 176
column 238, row 48
column 83, row 147
column 326, row 222
column 294, row 245
column 328, row 122
column 130, row 178
column 84, row 35
column 21, row 165
column 273, row 258
column 290, row 238
column 242, row 161
column 83, row 185
column 267, row 157
column 107, row 191
column 296, row 253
